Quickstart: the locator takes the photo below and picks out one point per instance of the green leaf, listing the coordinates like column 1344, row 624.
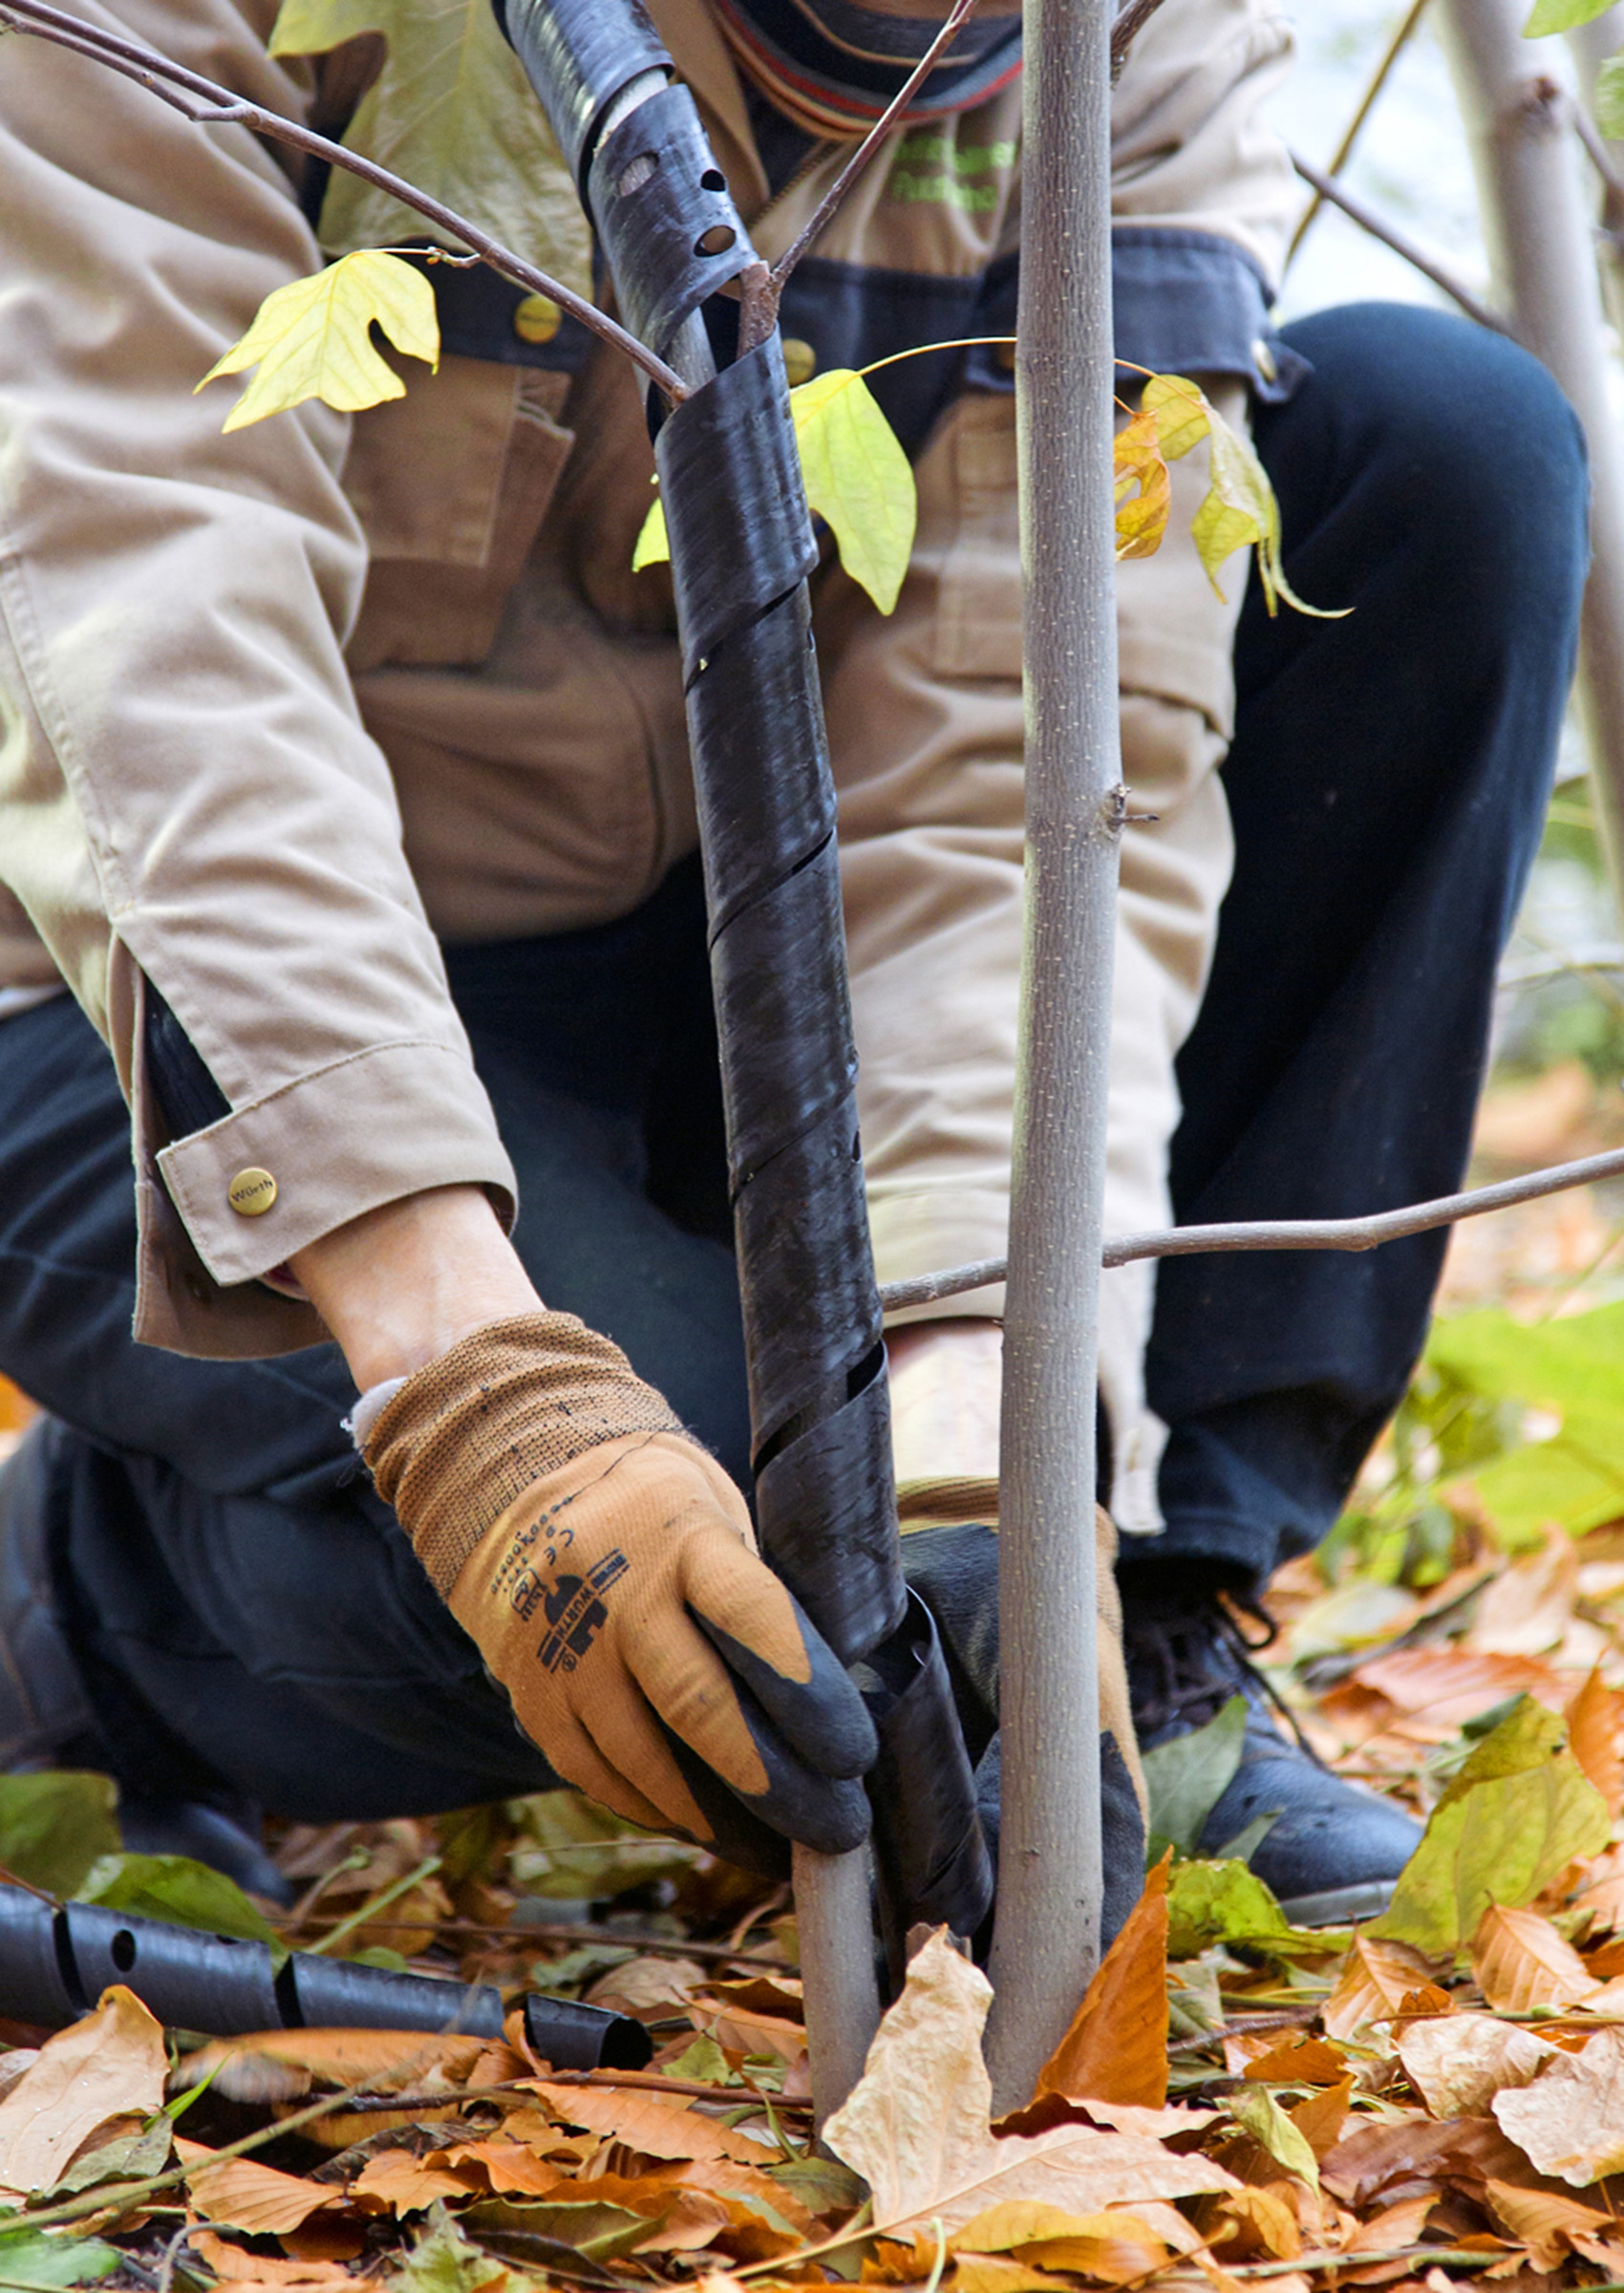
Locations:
column 1183, row 416
column 312, row 338
column 1574, row 1369
column 33, row 2257
column 1517, row 1812
column 1220, row 1902
column 55, row 1825
column 858, row 479
column 1562, row 15
column 444, row 2260
column 600, row 2231
column 705, row 2061
column 453, row 115
column 1256, row 2108
column 178, row 1891
column 131, row 2158
column 1241, row 509
column 1188, row 1776
column 571, row 1849
column 1609, row 98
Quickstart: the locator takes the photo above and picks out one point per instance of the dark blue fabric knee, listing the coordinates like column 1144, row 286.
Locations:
column 1387, row 782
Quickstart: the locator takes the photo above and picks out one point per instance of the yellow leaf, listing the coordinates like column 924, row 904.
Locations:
column 1257, row 2110
column 917, row 2124
column 858, row 479
column 1182, row 414
column 312, row 339
column 1142, row 517
column 453, row 114
column 1520, row 1960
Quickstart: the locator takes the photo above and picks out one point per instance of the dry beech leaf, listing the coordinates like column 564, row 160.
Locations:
column 1302, row 2060
column 916, row 2128
column 1373, row 1986
column 237, row 2268
column 1602, row 1893
column 1116, row 2049
column 763, row 1994
column 1542, row 2221
column 997, row 2273
column 1114, row 2248
column 404, row 2184
column 1570, row 2121
column 1520, row 1961
column 650, row 2124
column 239, row 2193
column 111, row 2065
column 1593, row 1739
column 1393, row 2226
column 386, row 2061
column 512, row 2169
column 1319, row 2117
column 1458, row 2063
column 1252, row 2224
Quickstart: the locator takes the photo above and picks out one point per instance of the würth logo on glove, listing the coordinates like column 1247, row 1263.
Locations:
column 576, row 1614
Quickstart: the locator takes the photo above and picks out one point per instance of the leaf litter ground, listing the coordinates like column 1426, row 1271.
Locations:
column 1430, row 2101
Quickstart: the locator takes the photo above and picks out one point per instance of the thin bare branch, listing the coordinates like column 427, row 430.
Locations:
column 1126, row 29
column 1369, row 221
column 1600, row 158
column 205, row 102
column 1344, row 151
column 1285, row 1233
column 869, row 145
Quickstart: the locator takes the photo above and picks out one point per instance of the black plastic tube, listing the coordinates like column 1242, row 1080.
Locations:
column 57, row 1961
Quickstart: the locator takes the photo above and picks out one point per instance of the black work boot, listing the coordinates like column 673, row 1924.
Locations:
column 1336, row 1849
column 46, row 1715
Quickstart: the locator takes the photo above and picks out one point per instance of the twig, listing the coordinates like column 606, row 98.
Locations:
column 1285, row 1233
column 1368, row 220
column 1257, row 2025
column 865, row 152
column 1126, row 30
column 1600, row 158
column 1344, row 151
column 380, row 1901
column 204, row 102
column 651, row 2082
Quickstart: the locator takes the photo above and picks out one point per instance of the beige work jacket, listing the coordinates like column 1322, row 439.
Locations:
column 281, row 709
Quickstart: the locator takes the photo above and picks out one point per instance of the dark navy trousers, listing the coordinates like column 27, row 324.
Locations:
column 250, row 1620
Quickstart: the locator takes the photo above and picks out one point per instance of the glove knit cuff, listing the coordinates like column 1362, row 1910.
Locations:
column 469, row 1433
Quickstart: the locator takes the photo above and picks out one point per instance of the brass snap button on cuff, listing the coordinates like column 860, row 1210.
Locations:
column 251, row 1193
column 799, row 361
column 537, row 318
column 1265, row 361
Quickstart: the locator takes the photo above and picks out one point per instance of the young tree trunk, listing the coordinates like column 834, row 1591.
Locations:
column 1528, row 163
column 1047, row 1936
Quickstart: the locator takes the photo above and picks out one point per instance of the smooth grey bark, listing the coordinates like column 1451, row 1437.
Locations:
column 1536, row 218
column 1047, row 1934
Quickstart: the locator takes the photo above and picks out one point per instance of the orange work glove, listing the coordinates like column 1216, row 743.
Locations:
column 605, row 1569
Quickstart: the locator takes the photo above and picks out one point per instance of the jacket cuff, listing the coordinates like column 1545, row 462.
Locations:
column 371, row 1127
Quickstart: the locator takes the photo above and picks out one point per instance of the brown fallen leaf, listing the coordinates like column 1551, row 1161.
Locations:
column 648, row 1987
column 649, row 2123
column 1320, row 2116
column 233, row 2266
column 512, row 2169
column 998, row 2273
column 1460, row 2062
column 1542, row 2221
column 916, row 2125
column 111, row 2065
column 1116, row 2049
column 1452, row 1685
column 1570, row 2121
column 1594, row 1720
column 763, row 1994
column 400, row 2183
column 1395, row 2225
column 1301, row 2060
column 1373, row 1985
column 1520, row 1961
column 288, row 2061
column 1114, row 2248
column 239, row 2193
column 1252, row 2224
column 1602, row 1893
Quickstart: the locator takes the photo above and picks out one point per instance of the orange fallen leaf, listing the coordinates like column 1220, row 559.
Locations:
column 111, row 2065
column 1373, row 1985
column 1542, row 2221
column 649, row 2123
column 1520, row 1961
column 1302, row 2060
column 1116, row 2049
column 233, row 2266
column 999, row 2273
column 1320, row 2116
column 403, row 2184
column 1249, row 2223
column 1593, row 1720
column 239, row 2193
column 383, row 2060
